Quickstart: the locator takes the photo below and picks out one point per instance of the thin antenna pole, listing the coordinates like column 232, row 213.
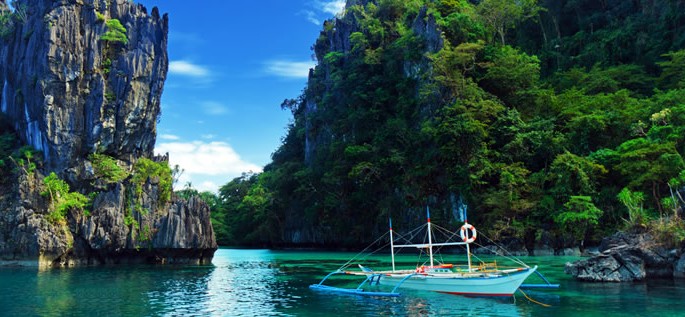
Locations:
column 392, row 247
column 430, row 233
column 468, row 247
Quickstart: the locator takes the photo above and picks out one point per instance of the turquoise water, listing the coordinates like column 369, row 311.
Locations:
column 275, row 283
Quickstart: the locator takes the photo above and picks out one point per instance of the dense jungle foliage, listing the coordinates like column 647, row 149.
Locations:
column 557, row 116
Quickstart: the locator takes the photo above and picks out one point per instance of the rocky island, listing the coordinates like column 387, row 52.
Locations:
column 81, row 86
column 630, row 257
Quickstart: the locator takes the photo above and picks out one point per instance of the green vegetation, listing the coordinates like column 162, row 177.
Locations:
column 218, row 212
column 116, row 32
column 579, row 216
column 145, row 169
column 500, row 16
column 6, row 24
column 539, row 116
column 107, row 168
column 634, row 202
column 100, row 17
column 61, row 199
column 26, row 160
column 106, row 68
column 160, row 175
column 109, row 96
column 240, row 214
column 7, row 144
column 130, row 221
column 9, row 20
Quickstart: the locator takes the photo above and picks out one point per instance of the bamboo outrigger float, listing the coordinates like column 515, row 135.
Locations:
column 483, row 280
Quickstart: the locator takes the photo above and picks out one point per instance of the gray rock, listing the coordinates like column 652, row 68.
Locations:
column 569, row 252
column 621, row 265
column 592, row 251
column 625, row 257
column 543, row 251
column 544, row 244
column 59, row 88
column 623, row 238
column 67, row 100
column 679, row 269
column 425, row 26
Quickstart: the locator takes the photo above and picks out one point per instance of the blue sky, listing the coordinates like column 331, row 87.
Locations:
column 231, row 65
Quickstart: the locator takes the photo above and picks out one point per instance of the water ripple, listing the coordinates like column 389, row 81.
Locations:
column 246, row 287
column 275, row 283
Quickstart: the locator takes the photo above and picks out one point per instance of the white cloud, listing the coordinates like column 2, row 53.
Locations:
column 311, row 17
column 169, row 137
column 332, row 6
column 214, row 108
column 208, row 136
column 206, row 164
column 209, row 186
column 289, row 69
column 323, row 10
column 185, row 68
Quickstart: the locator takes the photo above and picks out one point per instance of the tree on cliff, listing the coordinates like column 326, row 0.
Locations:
column 579, row 216
column 115, row 33
column 502, row 15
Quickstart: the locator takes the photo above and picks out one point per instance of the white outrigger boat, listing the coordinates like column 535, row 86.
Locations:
column 486, row 279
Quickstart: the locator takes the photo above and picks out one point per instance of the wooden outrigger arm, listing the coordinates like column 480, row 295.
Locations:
column 371, row 278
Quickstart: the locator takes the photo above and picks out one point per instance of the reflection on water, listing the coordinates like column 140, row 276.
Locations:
column 275, row 283
column 246, row 283
column 64, row 292
column 412, row 303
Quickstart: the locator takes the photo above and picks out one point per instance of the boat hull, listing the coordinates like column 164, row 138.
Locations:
column 502, row 285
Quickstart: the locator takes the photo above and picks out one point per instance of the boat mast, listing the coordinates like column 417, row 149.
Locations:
column 468, row 254
column 392, row 247
column 430, row 241
column 468, row 248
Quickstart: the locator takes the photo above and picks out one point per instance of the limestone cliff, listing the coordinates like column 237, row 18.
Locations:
column 71, row 91
column 322, row 88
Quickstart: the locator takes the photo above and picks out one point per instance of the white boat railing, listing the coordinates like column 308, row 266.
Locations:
column 428, row 245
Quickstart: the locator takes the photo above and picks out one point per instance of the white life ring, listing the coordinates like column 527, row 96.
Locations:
column 464, row 234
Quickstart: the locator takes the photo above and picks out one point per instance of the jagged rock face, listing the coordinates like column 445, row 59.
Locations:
column 335, row 37
column 176, row 232
column 70, row 94
column 25, row 235
column 179, row 232
column 65, row 98
column 622, row 265
column 625, row 258
column 337, row 34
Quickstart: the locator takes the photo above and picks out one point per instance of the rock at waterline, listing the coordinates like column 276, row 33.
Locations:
column 69, row 92
column 626, row 258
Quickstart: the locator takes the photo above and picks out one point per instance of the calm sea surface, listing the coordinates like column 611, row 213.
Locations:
column 275, row 283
